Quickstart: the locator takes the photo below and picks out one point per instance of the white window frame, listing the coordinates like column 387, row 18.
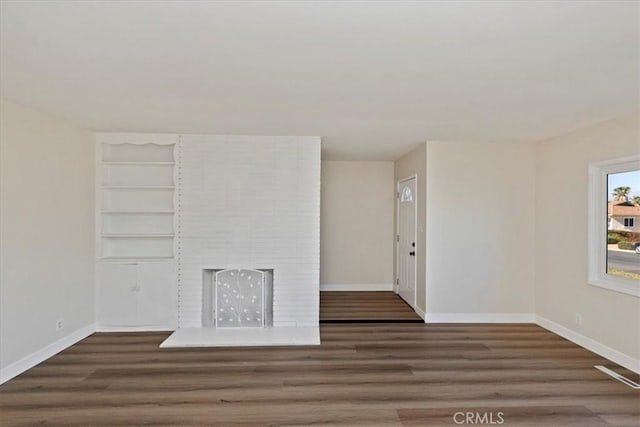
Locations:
column 598, row 197
column 629, row 220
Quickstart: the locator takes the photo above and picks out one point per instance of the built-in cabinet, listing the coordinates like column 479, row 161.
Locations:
column 138, row 294
column 135, row 230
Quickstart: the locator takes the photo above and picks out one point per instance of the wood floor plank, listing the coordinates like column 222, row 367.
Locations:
column 361, row 306
column 362, row 374
column 522, row 416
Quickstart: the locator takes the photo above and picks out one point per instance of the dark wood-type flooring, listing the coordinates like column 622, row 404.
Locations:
column 362, row 374
column 365, row 306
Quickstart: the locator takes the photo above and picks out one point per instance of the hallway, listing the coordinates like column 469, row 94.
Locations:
column 349, row 307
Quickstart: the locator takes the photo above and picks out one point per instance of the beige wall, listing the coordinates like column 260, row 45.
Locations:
column 480, row 223
column 415, row 163
column 356, row 243
column 561, row 290
column 47, row 226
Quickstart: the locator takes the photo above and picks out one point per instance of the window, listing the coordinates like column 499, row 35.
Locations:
column 407, row 195
column 614, row 204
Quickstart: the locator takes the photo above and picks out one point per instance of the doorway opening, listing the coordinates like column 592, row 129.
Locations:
column 365, row 307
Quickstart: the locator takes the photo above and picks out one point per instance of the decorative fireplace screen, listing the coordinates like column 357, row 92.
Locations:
column 242, row 298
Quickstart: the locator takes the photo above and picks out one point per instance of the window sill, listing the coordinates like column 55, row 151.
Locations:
column 617, row 284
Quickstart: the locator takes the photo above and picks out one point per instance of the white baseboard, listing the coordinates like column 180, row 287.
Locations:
column 102, row 328
column 31, row 360
column 357, row 287
column 590, row 344
column 419, row 312
column 479, row 318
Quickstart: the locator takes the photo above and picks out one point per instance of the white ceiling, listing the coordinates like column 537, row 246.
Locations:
column 372, row 78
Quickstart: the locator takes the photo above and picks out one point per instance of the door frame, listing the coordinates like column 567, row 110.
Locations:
column 396, row 287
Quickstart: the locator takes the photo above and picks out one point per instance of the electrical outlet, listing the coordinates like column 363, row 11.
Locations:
column 578, row 319
column 59, row 325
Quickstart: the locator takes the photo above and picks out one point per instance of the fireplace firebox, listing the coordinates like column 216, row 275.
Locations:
column 237, row 298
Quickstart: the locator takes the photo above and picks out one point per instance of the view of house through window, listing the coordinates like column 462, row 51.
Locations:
column 623, row 222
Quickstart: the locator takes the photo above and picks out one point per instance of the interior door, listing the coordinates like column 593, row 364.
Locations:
column 406, row 240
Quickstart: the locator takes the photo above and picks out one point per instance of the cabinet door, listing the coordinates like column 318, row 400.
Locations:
column 117, row 294
column 157, row 297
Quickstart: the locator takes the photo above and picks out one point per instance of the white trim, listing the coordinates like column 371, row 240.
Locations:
column 39, row 356
column 420, row 312
column 479, row 318
column 617, row 376
column 98, row 198
column 357, row 287
column 151, row 328
column 598, row 225
column 590, row 344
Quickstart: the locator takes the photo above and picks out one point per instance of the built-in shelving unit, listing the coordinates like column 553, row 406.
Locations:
column 136, row 272
column 136, row 201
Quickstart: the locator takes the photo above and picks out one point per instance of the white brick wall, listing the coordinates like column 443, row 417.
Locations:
column 254, row 202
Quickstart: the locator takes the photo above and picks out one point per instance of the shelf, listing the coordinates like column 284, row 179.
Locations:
column 135, row 212
column 137, row 153
column 109, row 163
column 137, row 235
column 136, row 259
column 138, row 187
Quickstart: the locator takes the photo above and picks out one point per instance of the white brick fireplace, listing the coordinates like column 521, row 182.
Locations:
column 248, row 202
